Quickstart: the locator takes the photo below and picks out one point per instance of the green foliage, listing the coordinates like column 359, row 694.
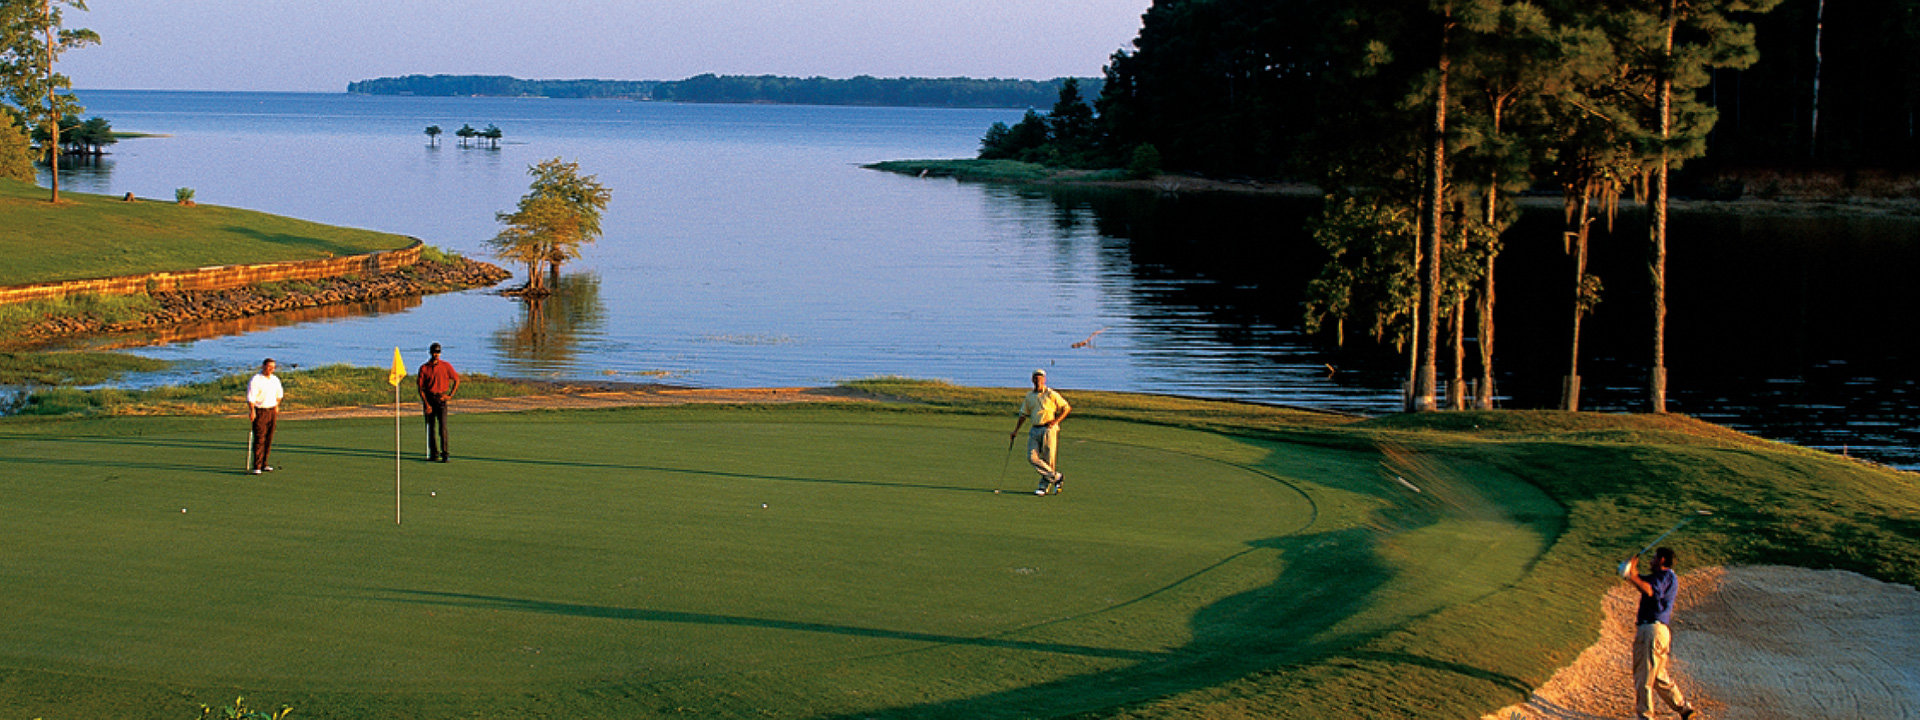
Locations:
column 71, row 368
column 105, row 308
column 1144, row 163
column 16, row 152
column 499, row 86
column 561, row 213
column 864, row 90
column 238, row 711
column 1066, row 137
column 437, row 256
column 1371, row 275
column 183, row 195
column 89, row 137
column 28, row 56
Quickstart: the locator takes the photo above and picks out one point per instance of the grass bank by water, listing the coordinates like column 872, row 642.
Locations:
column 89, row 236
column 322, row 387
column 1206, row 559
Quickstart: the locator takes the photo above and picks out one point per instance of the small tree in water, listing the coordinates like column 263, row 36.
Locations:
column 561, row 213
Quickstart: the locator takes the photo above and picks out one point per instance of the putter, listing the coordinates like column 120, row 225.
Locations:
column 249, row 447
column 1006, row 463
column 1656, row 541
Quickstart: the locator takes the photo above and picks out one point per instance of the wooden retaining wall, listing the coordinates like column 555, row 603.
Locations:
column 218, row 277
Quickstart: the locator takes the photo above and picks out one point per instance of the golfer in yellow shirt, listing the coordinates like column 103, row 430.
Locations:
column 1047, row 408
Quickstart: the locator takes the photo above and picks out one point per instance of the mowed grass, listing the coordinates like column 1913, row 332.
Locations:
column 89, row 236
column 621, row 564
column 1206, row 559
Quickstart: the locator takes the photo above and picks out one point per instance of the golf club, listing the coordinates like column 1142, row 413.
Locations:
column 249, row 447
column 1006, row 463
column 1656, row 541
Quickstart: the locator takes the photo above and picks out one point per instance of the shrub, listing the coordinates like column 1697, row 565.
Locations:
column 184, row 195
column 1145, row 162
column 238, row 711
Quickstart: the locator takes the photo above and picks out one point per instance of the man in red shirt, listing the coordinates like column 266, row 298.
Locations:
column 437, row 382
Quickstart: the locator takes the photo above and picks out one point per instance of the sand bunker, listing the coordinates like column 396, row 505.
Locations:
column 1755, row 643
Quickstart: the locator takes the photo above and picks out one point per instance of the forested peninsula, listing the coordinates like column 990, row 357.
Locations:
column 772, row 89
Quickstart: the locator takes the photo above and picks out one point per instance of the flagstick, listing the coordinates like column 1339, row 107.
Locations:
column 396, row 454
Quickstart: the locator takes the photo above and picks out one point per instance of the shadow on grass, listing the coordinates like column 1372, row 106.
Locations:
column 1328, row 577
column 296, row 241
column 238, row 447
column 506, row 604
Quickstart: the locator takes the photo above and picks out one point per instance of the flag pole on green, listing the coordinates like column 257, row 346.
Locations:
column 394, row 376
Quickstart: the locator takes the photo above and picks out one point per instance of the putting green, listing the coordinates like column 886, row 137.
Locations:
column 792, row 562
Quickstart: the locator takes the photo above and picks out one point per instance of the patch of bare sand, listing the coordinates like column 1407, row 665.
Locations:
column 1757, row 643
column 600, row 397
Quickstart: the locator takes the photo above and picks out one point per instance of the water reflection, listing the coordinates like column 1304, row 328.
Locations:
column 82, row 173
column 549, row 336
column 210, row 329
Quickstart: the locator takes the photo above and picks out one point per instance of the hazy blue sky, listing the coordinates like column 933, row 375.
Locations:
column 321, row 45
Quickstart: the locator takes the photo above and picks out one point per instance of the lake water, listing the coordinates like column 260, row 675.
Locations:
column 746, row 247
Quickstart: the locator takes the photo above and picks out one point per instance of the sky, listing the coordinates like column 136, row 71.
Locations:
column 321, row 45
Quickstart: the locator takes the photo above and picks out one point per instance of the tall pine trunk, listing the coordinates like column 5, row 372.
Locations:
column 1484, row 398
column 1657, row 376
column 1570, row 389
column 1424, row 400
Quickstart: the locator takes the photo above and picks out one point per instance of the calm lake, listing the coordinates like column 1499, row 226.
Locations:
column 746, row 247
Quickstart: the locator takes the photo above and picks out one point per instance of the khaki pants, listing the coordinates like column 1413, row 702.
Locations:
column 1650, row 678
column 1041, row 445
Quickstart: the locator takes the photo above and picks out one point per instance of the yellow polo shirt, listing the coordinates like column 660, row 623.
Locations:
column 1042, row 409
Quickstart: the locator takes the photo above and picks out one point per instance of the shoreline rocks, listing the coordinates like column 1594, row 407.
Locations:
column 198, row 306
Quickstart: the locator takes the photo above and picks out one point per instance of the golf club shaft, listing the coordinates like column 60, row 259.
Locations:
column 1008, row 461
column 1663, row 536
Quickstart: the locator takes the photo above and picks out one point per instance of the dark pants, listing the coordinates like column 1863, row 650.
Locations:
column 263, row 435
column 436, row 412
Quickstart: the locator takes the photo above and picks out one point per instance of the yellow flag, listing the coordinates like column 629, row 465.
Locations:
column 399, row 371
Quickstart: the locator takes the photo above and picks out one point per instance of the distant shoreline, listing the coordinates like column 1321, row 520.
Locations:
column 860, row 91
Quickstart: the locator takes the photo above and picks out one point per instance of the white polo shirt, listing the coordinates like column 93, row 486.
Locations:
column 264, row 391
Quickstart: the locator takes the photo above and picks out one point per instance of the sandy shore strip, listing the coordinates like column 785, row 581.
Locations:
column 1757, row 643
column 602, row 397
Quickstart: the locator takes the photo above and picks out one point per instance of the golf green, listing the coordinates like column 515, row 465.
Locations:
column 788, row 562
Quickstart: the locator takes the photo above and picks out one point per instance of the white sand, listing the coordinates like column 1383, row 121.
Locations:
column 1757, row 643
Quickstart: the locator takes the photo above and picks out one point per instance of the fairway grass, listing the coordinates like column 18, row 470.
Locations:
column 95, row 236
column 1204, row 560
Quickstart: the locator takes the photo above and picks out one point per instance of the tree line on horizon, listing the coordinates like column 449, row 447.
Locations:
column 742, row 89
column 1420, row 120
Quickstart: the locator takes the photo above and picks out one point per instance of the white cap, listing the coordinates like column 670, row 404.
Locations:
column 1041, row 373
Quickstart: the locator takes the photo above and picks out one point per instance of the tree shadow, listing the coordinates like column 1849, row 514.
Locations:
column 1328, row 577
column 296, row 241
column 524, row 605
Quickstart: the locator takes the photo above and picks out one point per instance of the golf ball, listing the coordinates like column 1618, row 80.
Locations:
column 763, row 506
column 433, row 494
column 996, row 492
column 183, row 510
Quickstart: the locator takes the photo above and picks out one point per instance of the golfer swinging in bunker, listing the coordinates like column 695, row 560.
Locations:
column 1047, row 408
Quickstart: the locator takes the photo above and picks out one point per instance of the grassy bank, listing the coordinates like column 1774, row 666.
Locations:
column 1206, row 559
column 322, row 387
column 993, row 171
column 70, row 368
column 88, row 236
